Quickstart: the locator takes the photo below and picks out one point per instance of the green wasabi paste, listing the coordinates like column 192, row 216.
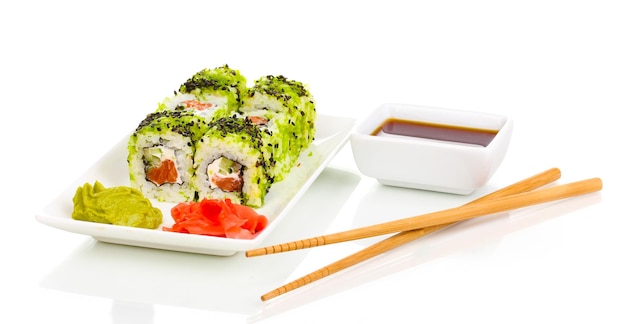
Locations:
column 120, row 205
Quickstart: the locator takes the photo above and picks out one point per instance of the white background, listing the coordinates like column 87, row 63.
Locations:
column 77, row 76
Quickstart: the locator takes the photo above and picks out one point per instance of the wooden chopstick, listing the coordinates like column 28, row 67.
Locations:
column 446, row 216
column 401, row 238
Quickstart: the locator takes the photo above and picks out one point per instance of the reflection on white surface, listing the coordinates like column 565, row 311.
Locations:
column 480, row 234
column 131, row 275
column 380, row 203
column 131, row 313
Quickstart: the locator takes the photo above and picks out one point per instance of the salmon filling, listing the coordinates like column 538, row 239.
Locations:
column 160, row 163
column 198, row 105
column 225, row 174
column 258, row 120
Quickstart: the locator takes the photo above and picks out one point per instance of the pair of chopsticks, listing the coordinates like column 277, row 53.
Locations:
column 517, row 195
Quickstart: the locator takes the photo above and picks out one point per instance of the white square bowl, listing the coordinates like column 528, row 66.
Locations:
column 429, row 164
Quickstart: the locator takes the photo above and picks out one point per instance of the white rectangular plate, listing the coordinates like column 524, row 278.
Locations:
column 112, row 170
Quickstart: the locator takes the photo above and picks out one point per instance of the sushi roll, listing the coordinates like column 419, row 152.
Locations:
column 276, row 132
column 216, row 138
column 161, row 153
column 289, row 108
column 288, row 97
column 222, row 86
column 219, row 87
column 210, row 93
column 229, row 162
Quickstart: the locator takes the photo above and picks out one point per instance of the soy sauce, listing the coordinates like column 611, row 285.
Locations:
column 442, row 132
